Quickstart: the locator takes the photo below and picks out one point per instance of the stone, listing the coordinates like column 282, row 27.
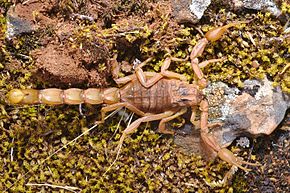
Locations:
column 255, row 110
column 185, row 11
column 259, row 5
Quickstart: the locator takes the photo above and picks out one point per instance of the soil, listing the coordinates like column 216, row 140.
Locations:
column 56, row 62
column 66, row 66
column 74, row 44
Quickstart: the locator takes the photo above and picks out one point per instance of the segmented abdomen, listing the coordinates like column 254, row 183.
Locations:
column 155, row 99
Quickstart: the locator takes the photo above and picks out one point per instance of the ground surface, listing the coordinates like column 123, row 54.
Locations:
column 73, row 43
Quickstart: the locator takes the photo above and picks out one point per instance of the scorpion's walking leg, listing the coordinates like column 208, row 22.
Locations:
column 112, row 107
column 131, row 128
column 161, row 127
column 147, row 118
column 213, row 145
column 164, row 73
column 192, row 117
column 154, row 77
column 129, row 78
column 207, row 62
column 126, row 79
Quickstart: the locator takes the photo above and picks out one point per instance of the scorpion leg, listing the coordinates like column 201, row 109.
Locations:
column 207, row 62
column 147, row 83
column 164, row 73
column 213, row 145
column 170, row 74
column 126, row 79
column 112, row 107
column 147, row 118
column 192, row 117
column 161, row 127
column 196, row 68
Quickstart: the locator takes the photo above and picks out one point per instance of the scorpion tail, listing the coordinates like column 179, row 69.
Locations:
column 23, row 96
column 72, row 96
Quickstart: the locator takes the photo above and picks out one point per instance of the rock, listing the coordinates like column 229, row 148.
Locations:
column 189, row 142
column 256, row 109
column 197, row 7
column 186, row 12
column 26, row 18
column 260, row 5
column 243, row 142
column 17, row 25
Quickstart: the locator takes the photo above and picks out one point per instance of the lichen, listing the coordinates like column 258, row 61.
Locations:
column 30, row 135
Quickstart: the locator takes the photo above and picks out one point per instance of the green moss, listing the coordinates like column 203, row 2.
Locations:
column 285, row 8
column 148, row 161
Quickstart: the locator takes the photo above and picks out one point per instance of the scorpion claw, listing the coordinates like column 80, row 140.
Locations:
column 216, row 33
column 229, row 157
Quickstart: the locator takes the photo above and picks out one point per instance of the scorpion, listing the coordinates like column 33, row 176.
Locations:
column 153, row 96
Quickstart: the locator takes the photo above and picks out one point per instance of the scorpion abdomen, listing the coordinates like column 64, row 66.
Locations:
column 154, row 99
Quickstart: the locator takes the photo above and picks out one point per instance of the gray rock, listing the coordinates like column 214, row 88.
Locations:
column 197, row 7
column 186, row 11
column 17, row 26
column 260, row 5
column 256, row 109
column 189, row 12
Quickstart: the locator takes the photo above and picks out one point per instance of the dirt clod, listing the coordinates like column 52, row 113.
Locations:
column 68, row 66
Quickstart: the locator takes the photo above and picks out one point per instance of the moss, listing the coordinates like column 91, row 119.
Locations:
column 5, row 4
column 148, row 161
column 285, row 8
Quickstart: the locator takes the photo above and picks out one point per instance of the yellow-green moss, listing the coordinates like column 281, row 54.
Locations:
column 148, row 161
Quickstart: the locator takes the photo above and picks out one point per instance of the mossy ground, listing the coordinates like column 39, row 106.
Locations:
column 148, row 162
